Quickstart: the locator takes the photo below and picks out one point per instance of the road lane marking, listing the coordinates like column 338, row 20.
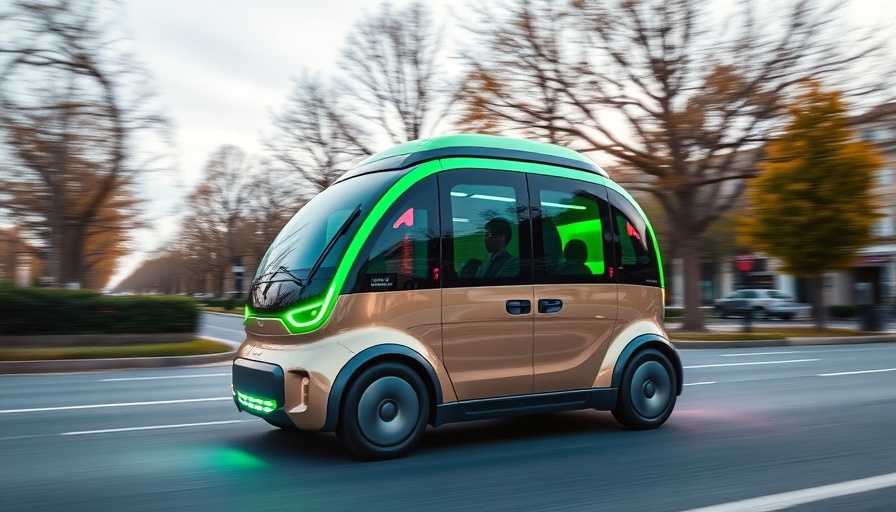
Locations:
column 127, row 404
column 762, row 353
column 168, row 377
column 152, row 427
column 791, row 499
column 752, row 363
column 698, row 383
column 856, row 372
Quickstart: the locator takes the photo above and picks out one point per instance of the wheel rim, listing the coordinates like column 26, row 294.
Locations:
column 651, row 389
column 388, row 411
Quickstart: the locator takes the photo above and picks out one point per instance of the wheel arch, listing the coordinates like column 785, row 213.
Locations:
column 371, row 356
column 646, row 341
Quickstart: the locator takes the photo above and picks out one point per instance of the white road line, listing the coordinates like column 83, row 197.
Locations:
column 762, row 353
column 153, row 427
column 794, row 498
column 127, row 404
column 753, row 363
column 856, row 372
column 698, row 383
column 168, row 377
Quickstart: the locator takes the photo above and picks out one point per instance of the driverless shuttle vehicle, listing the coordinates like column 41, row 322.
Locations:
column 458, row 278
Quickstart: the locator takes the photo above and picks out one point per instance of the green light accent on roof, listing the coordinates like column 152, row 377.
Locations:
column 255, row 403
column 478, row 140
column 308, row 317
column 558, row 172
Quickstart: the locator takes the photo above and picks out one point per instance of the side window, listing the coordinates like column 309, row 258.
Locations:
column 485, row 233
column 636, row 257
column 571, row 231
column 402, row 253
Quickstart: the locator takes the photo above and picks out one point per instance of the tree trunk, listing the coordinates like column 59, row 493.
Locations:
column 689, row 250
column 818, row 291
column 72, row 254
column 687, row 244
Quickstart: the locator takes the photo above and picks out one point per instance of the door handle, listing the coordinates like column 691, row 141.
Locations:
column 549, row 305
column 519, row 307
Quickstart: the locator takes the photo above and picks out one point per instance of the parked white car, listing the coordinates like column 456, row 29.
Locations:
column 760, row 303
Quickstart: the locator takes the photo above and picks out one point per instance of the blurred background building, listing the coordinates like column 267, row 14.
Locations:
column 872, row 277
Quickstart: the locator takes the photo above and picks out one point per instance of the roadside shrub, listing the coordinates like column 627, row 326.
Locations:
column 224, row 303
column 32, row 311
column 673, row 312
column 841, row 311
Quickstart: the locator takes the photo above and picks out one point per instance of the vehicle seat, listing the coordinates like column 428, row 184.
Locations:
column 576, row 254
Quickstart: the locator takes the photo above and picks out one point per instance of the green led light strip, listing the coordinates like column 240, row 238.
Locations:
column 309, row 317
column 257, row 404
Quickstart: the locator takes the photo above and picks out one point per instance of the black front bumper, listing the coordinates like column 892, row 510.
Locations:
column 258, row 389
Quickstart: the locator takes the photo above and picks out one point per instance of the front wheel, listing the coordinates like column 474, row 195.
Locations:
column 648, row 391
column 384, row 412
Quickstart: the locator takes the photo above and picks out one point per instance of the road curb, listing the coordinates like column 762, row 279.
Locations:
column 788, row 342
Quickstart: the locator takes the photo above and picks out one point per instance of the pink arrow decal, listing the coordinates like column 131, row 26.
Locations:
column 407, row 218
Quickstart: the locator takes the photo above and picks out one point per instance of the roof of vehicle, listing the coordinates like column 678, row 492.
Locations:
column 473, row 145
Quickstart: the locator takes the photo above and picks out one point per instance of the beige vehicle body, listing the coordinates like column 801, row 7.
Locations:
column 394, row 337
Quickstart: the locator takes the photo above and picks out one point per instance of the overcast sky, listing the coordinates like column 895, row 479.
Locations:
column 220, row 66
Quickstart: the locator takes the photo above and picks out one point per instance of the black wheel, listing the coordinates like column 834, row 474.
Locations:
column 647, row 394
column 281, row 424
column 384, row 412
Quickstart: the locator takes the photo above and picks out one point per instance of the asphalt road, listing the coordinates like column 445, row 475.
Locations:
column 752, row 424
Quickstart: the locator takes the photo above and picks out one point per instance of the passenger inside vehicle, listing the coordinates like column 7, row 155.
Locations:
column 576, row 254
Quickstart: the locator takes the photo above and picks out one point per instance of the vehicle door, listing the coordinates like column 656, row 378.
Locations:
column 575, row 293
column 487, row 294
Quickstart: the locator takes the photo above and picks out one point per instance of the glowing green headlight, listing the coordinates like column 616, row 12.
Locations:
column 255, row 403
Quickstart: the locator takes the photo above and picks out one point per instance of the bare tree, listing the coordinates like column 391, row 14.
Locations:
column 394, row 72
column 216, row 228
column 392, row 88
column 314, row 136
column 273, row 202
column 72, row 102
column 682, row 94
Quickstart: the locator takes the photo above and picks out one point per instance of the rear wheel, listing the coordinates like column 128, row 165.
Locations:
column 384, row 412
column 648, row 391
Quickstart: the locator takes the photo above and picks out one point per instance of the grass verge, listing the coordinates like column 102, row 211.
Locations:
column 186, row 348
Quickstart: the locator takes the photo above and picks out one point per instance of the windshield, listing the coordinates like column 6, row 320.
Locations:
column 338, row 209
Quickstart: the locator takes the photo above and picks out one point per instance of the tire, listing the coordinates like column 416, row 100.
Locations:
column 384, row 412
column 281, row 424
column 647, row 393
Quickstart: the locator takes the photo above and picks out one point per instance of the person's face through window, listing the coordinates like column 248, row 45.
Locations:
column 494, row 242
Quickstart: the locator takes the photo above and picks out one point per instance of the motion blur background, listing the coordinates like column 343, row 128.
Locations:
column 158, row 147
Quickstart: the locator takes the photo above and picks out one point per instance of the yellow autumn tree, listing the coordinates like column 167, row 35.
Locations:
column 812, row 205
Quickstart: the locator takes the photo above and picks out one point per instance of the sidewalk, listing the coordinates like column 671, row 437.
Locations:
column 887, row 335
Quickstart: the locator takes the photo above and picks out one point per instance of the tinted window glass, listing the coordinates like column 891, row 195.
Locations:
column 485, row 228
column 636, row 256
column 303, row 239
column 402, row 253
column 571, row 230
